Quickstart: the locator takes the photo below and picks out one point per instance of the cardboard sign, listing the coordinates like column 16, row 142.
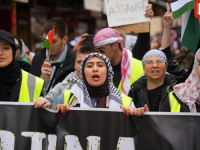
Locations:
column 135, row 28
column 124, row 12
column 93, row 5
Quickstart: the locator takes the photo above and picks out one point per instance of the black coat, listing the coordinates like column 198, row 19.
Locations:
column 139, row 92
column 67, row 67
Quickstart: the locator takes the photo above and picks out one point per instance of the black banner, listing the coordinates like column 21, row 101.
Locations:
column 22, row 127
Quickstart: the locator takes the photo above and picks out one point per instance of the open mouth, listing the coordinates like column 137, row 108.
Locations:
column 155, row 71
column 95, row 76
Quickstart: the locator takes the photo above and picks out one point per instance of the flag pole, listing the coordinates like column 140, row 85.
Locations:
column 49, row 54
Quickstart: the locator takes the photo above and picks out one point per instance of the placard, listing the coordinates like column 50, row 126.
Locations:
column 124, row 12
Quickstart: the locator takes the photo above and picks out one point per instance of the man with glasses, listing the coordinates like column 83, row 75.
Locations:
column 151, row 88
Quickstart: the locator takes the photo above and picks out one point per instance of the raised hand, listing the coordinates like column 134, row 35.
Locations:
column 168, row 17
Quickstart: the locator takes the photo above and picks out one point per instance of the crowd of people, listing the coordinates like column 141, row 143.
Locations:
column 106, row 75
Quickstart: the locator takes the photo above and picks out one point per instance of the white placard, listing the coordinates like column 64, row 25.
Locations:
column 94, row 5
column 124, row 12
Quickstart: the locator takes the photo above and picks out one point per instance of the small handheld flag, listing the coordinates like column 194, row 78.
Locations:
column 49, row 39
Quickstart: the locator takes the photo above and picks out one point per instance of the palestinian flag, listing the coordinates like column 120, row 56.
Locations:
column 49, row 39
column 179, row 7
column 190, row 30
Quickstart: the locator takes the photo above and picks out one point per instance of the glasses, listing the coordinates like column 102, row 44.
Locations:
column 102, row 49
column 18, row 47
column 158, row 62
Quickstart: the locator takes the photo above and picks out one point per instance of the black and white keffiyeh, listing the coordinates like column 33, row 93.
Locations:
column 81, row 92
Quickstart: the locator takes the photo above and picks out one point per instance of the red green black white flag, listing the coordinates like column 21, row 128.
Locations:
column 49, row 39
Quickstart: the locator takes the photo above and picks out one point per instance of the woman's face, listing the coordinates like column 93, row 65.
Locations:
column 155, row 68
column 95, row 71
column 5, row 53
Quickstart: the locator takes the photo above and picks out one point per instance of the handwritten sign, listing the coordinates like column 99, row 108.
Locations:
column 136, row 28
column 124, row 12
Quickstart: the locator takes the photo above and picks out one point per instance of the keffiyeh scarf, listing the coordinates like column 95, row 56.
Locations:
column 108, row 36
column 81, row 92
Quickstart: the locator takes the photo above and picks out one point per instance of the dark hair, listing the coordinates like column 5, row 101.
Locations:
column 185, row 57
column 20, row 42
column 61, row 29
column 85, row 50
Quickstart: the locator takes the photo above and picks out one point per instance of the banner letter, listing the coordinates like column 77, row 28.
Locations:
column 36, row 139
column 72, row 143
column 7, row 140
column 125, row 143
column 93, row 143
column 52, row 141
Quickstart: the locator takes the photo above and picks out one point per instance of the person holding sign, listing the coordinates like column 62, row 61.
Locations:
column 95, row 90
column 16, row 85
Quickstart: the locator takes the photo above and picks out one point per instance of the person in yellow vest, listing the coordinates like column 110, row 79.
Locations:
column 16, row 85
column 186, row 96
column 95, row 90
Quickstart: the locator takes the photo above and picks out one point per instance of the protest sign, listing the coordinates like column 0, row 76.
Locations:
column 124, row 12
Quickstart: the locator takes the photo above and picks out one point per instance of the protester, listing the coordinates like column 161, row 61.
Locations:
column 186, row 96
column 95, row 90
column 151, row 88
column 16, row 85
column 60, row 51
column 69, row 81
column 185, row 57
column 20, row 54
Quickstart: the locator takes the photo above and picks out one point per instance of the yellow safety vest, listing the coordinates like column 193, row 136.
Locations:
column 126, row 101
column 137, row 71
column 174, row 104
column 31, row 87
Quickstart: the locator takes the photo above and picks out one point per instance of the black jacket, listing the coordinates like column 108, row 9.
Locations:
column 173, row 66
column 67, row 67
column 139, row 92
